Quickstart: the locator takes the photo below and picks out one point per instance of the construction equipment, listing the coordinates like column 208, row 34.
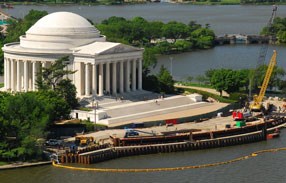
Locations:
column 263, row 50
column 264, row 47
column 132, row 132
column 82, row 140
column 257, row 100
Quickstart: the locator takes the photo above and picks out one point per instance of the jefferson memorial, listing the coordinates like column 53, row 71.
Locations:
column 101, row 67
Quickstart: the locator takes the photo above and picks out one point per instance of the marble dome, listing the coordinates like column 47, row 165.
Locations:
column 60, row 30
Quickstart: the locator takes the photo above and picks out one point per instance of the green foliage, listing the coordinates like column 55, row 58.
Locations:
column 278, row 29
column 67, row 90
column 175, row 30
column 24, row 119
column 227, row 80
column 276, row 77
column 149, row 58
column 51, row 78
column 150, row 82
column 89, row 126
column 233, row 81
column 157, row 37
column 238, row 96
column 204, row 37
column 165, row 81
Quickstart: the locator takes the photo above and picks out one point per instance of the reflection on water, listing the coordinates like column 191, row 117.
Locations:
column 263, row 168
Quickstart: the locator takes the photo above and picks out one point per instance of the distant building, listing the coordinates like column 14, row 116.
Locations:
column 101, row 66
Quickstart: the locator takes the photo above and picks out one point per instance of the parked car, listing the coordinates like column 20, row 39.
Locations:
column 53, row 142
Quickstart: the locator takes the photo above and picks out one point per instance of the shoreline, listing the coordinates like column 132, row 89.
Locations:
column 146, row 2
column 24, row 165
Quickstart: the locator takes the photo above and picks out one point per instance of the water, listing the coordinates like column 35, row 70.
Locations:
column 246, row 19
column 228, row 56
column 263, row 168
column 223, row 19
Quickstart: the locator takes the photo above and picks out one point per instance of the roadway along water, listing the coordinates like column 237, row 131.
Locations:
column 263, row 168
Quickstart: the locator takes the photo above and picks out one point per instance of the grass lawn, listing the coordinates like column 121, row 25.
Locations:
column 1, row 85
column 231, row 1
column 195, row 84
column 3, row 163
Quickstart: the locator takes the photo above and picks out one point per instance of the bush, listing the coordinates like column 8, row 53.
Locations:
column 238, row 96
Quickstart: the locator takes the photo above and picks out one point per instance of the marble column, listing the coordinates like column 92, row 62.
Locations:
column 107, row 78
column 94, row 80
column 140, row 74
column 134, row 75
column 79, row 78
column 30, row 75
column 12, row 70
column 26, row 74
column 34, row 76
column 114, row 81
column 8, row 69
column 100, row 80
column 121, row 77
column 87, row 80
column 19, row 82
column 5, row 74
column 127, row 76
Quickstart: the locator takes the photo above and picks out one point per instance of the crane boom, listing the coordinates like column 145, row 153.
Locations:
column 258, row 99
column 263, row 51
column 264, row 47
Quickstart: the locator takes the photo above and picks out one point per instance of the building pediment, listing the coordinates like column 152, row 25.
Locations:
column 121, row 48
column 104, row 48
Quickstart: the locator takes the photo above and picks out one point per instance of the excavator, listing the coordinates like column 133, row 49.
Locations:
column 256, row 105
column 82, row 140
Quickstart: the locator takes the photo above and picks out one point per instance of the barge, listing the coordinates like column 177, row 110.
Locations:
column 193, row 140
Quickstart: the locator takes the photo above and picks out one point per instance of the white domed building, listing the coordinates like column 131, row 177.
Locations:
column 100, row 65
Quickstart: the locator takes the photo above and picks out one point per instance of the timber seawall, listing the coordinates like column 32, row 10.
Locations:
column 109, row 153
column 106, row 152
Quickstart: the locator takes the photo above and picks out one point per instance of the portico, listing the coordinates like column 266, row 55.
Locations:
column 101, row 67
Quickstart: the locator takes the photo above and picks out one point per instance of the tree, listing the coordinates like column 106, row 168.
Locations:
column 149, row 58
column 175, row 30
column 227, row 80
column 67, row 90
column 52, row 78
column 204, row 37
column 53, row 74
column 25, row 117
column 166, row 82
